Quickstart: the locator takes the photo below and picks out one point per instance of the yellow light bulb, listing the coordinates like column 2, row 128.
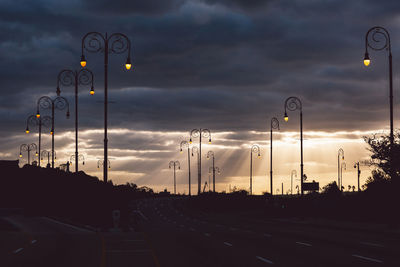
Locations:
column 20, row 155
column 128, row 66
column 51, row 133
column 38, row 115
column 366, row 62
column 83, row 64
column 27, row 131
column 286, row 118
column 92, row 92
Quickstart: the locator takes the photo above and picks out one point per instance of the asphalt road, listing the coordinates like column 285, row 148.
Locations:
column 184, row 238
column 41, row 241
column 169, row 234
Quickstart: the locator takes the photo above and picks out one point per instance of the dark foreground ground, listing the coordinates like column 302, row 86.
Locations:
column 169, row 233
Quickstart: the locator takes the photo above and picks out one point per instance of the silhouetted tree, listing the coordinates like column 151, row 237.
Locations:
column 384, row 156
column 331, row 189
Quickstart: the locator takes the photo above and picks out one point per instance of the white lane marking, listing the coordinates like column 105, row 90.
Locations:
column 33, row 241
column 18, row 250
column 141, row 214
column 207, row 234
column 264, row 260
column 233, row 229
column 130, row 251
column 366, row 258
column 304, row 244
column 267, row 235
column 372, row 244
column 228, row 244
column 191, row 229
column 67, row 225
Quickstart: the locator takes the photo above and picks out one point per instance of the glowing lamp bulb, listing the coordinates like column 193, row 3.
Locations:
column 36, row 154
column 20, row 155
column 367, row 61
column 92, row 91
column 38, row 115
column 190, row 141
column 209, row 141
column 286, row 117
column 51, row 132
column 128, row 64
column 83, row 61
column 27, row 130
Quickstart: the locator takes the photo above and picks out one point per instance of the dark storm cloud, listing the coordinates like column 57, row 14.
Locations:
column 225, row 65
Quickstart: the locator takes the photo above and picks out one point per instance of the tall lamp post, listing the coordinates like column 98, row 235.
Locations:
column 195, row 150
column 183, row 145
column 75, row 78
column 41, row 121
column 293, row 173
column 59, row 103
column 174, row 164
column 116, row 43
column 373, row 41
column 28, row 148
column 357, row 166
column 209, row 155
column 342, row 166
column 80, row 158
column 340, row 156
column 274, row 125
column 46, row 153
column 253, row 149
column 212, row 171
column 293, row 103
column 200, row 133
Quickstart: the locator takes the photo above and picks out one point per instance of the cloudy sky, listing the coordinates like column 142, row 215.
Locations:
column 225, row 65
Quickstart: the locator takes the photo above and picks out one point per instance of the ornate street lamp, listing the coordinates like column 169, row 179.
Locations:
column 41, row 121
column 293, row 173
column 28, row 148
column 116, row 43
column 47, row 154
column 293, row 103
column 183, row 145
column 274, row 125
column 340, row 157
column 195, row 150
column 342, row 166
column 174, row 164
column 253, row 149
column 80, row 158
column 373, row 40
column 200, row 133
column 212, row 171
column 59, row 103
column 209, row 155
column 75, row 78
column 100, row 162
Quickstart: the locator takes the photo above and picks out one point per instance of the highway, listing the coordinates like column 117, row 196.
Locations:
column 44, row 242
column 169, row 234
column 185, row 238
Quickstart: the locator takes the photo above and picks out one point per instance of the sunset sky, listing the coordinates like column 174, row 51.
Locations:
column 227, row 66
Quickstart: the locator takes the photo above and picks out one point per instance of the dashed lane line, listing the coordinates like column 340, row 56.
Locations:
column 264, row 260
column 18, row 250
column 228, row 244
column 366, row 258
column 304, row 244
